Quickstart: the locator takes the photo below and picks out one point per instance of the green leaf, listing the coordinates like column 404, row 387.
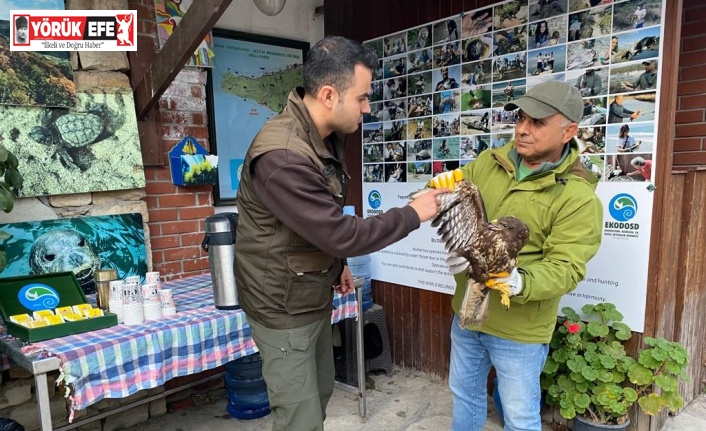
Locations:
column 6, row 200
column 597, row 329
column 672, row 400
column 589, row 374
column 630, row 395
column 3, row 154
column 667, row 383
column 568, row 412
column 582, row 401
column 12, row 160
column 639, row 375
column 622, row 331
column 651, row 404
column 13, row 178
column 570, row 314
column 550, row 366
column 646, row 359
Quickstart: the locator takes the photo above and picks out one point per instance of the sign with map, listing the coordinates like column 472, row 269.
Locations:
column 249, row 84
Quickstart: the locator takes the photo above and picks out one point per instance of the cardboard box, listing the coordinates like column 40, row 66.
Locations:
column 27, row 294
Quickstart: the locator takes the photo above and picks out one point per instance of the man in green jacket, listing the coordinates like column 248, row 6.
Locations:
column 539, row 179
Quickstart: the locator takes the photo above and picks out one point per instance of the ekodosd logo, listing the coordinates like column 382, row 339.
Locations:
column 374, row 201
column 38, row 296
column 623, row 207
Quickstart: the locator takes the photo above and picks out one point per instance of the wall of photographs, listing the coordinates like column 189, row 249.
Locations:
column 437, row 98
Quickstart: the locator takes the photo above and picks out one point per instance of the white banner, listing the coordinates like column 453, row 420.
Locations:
column 437, row 102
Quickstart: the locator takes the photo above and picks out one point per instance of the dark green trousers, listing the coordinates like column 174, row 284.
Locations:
column 297, row 365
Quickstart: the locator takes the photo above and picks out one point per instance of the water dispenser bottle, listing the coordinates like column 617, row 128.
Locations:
column 219, row 242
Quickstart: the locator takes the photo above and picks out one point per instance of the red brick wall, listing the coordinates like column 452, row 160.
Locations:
column 176, row 214
column 690, row 139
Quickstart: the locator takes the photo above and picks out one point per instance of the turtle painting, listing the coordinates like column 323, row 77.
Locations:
column 72, row 132
column 63, row 250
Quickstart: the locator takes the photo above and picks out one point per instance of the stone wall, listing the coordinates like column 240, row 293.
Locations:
column 18, row 401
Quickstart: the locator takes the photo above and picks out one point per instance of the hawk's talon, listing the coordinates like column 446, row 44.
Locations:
column 501, row 287
column 505, row 300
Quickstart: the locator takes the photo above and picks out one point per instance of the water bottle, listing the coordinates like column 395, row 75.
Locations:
column 360, row 267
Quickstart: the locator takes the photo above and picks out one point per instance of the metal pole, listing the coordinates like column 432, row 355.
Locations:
column 40, row 382
column 360, row 351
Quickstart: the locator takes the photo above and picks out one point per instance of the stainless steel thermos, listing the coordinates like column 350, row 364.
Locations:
column 219, row 242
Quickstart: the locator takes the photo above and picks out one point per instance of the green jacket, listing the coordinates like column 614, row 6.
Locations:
column 565, row 219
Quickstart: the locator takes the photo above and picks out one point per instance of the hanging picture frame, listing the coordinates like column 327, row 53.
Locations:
column 248, row 84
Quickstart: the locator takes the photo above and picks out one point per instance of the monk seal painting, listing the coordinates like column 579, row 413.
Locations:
column 63, row 250
column 77, row 244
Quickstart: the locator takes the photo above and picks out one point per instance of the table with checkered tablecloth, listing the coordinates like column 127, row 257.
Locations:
column 121, row 360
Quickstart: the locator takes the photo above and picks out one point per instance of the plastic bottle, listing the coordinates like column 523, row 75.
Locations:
column 360, row 267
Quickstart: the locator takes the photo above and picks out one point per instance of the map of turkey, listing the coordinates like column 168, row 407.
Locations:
column 270, row 89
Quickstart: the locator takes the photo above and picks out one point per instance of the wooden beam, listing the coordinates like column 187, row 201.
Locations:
column 182, row 43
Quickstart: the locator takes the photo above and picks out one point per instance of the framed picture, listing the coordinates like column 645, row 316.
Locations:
column 249, row 83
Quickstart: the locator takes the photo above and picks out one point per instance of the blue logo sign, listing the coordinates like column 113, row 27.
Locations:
column 623, row 207
column 374, row 199
column 37, row 296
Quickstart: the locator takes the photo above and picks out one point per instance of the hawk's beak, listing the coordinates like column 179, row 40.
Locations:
column 493, row 226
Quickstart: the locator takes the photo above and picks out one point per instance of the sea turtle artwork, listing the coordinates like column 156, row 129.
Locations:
column 62, row 250
column 72, row 132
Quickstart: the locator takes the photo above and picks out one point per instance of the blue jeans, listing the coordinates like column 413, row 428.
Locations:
column 518, row 367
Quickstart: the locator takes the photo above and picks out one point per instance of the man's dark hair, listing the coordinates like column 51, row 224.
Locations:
column 332, row 60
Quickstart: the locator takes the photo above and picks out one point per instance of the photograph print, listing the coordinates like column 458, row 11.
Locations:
column 476, row 23
column 418, row 38
column 92, row 147
column 447, row 30
column 510, row 14
column 636, row 14
column 31, row 78
column 547, row 32
column 543, row 9
column 636, row 45
column 477, row 48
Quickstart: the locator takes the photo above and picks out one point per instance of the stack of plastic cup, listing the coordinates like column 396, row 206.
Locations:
column 132, row 303
column 153, row 278
column 151, row 302
column 167, row 299
column 115, row 300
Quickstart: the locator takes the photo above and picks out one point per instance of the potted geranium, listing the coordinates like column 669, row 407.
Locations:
column 591, row 379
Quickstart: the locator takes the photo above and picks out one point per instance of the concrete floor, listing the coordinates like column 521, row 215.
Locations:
column 406, row 401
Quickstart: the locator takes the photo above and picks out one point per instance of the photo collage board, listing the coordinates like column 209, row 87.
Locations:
column 437, row 97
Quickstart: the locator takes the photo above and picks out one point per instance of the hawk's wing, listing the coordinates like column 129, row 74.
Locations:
column 461, row 216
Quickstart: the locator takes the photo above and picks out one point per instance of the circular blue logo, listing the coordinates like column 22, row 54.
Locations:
column 38, row 296
column 623, row 207
column 374, row 199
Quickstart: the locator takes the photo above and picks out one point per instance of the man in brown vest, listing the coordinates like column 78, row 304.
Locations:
column 292, row 238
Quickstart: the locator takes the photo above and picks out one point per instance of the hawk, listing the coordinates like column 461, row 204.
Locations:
column 484, row 250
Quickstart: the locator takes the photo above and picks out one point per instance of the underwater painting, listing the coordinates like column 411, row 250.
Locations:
column 80, row 245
